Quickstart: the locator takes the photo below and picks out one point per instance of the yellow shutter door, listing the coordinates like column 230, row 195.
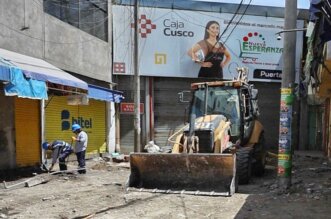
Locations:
column 27, row 124
column 60, row 116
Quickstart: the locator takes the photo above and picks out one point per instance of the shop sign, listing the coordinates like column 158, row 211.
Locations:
column 128, row 108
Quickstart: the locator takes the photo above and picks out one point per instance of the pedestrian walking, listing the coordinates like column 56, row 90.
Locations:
column 80, row 140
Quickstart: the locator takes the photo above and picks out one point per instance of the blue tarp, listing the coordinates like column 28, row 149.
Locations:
column 321, row 10
column 101, row 93
column 23, row 87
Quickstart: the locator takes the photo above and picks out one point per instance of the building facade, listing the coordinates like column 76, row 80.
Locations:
column 316, row 83
column 167, row 30
column 63, row 47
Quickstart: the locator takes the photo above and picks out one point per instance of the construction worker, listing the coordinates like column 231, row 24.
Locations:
column 60, row 151
column 80, row 140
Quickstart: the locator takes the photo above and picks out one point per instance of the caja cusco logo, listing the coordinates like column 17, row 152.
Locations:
column 171, row 27
column 145, row 26
column 67, row 121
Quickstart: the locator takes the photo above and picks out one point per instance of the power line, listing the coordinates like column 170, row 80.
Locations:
column 234, row 15
column 238, row 21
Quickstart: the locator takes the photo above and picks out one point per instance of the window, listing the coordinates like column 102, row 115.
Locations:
column 90, row 16
column 220, row 101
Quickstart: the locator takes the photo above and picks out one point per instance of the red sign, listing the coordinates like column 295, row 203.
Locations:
column 128, row 108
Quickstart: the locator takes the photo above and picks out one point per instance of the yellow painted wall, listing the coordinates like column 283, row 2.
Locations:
column 324, row 89
column 59, row 117
column 27, row 130
column 324, row 76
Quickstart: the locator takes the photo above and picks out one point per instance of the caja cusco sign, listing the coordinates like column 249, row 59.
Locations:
column 176, row 28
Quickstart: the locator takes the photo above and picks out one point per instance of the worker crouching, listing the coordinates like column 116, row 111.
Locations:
column 60, row 151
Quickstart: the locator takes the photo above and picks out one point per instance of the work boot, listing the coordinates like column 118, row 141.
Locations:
column 63, row 167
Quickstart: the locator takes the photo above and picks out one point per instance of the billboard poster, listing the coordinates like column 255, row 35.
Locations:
column 285, row 135
column 182, row 43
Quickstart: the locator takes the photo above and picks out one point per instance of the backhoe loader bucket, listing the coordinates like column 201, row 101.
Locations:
column 199, row 174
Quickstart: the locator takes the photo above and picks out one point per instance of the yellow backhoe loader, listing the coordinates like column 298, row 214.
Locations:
column 221, row 147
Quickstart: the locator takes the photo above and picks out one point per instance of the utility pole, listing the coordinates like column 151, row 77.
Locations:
column 285, row 149
column 137, row 126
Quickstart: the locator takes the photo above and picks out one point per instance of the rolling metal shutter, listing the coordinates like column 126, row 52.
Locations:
column 269, row 104
column 125, row 84
column 27, row 124
column 127, row 133
column 59, row 117
column 169, row 112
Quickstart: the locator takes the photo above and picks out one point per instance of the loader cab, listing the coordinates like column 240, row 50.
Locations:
column 250, row 111
column 219, row 100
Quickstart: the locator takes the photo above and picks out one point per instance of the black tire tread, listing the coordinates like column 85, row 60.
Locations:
column 244, row 165
column 259, row 165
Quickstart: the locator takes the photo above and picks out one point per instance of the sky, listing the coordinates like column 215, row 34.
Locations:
column 304, row 4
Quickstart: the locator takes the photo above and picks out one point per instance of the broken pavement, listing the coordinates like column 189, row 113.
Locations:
column 101, row 194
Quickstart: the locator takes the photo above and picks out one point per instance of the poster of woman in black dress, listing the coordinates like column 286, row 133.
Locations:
column 209, row 53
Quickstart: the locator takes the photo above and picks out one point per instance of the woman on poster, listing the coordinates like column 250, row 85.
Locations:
column 209, row 53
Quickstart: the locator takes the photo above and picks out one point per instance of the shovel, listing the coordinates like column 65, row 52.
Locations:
column 44, row 167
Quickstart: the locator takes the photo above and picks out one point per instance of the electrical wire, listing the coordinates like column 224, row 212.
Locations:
column 226, row 28
column 238, row 20
column 234, row 15
column 190, row 21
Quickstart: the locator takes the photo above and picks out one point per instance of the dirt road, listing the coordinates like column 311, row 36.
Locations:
column 101, row 194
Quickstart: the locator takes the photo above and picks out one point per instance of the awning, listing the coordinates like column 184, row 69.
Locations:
column 4, row 70
column 38, row 69
column 101, row 93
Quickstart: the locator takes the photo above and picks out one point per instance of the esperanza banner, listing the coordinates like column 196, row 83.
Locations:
column 178, row 43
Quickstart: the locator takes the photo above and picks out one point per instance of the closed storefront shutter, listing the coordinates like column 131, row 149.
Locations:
column 126, row 85
column 27, row 123
column 169, row 112
column 269, row 104
column 59, row 118
column 127, row 133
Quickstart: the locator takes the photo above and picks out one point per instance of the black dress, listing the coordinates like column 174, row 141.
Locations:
column 215, row 56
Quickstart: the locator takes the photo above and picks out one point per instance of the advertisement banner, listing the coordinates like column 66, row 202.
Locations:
column 169, row 40
column 59, row 118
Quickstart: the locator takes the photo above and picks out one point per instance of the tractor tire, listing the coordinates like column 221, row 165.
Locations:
column 260, row 157
column 244, row 165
